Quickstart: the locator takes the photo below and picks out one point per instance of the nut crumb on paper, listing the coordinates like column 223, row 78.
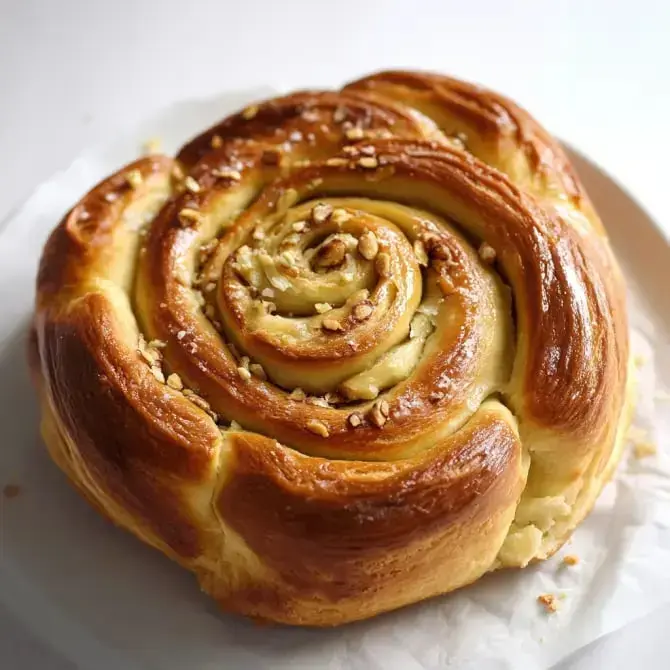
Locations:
column 642, row 445
column 548, row 601
column 571, row 559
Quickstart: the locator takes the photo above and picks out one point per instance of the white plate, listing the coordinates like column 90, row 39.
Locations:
column 103, row 600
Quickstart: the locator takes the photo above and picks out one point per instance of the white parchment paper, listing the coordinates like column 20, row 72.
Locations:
column 106, row 601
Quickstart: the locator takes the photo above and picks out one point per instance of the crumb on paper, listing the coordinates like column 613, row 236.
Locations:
column 642, row 445
column 11, row 490
column 644, row 449
column 548, row 601
column 571, row 559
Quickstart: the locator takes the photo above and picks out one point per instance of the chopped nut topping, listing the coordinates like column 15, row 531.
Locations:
column 383, row 264
column 111, row 197
column 189, row 217
column 368, row 162
column 134, row 178
column 362, row 311
column 549, row 602
column 244, row 374
column 354, row 133
column 227, row 173
column 268, row 293
column 158, row 374
column 210, row 286
column 174, row 382
column 191, row 185
column 420, row 252
column 297, row 394
column 331, row 254
column 644, row 449
column 337, row 162
column 339, row 114
column 323, row 307
column 199, row 298
column 197, row 400
column 158, row 344
column 317, row 427
column 250, row 112
column 318, row 401
column 331, row 324
column 339, row 216
column 257, row 370
column 355, row 420
column 299, row 226
column 368, row 246
column 181, row 334
column 571, row 559
column 487, row 253
column 321, row 212
column 216, row 142
column 258, row 234
column 271, row 157
column 379, row 413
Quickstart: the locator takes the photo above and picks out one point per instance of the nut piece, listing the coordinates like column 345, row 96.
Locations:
column 339, row 216
column 571, row 559
column 362, row 311
column 379, row 413
column 369, row 162
column 297, row 394
column 549, row 602
column 174, row 382
column 317, row 427
column 250, row 112
column 354, row 133
column 321, row 212
column 331, row 254
column 244, row 374
column 487, row 253
column 158, row 374
column 331, row 324
column 216, row 142
column 257, row 370
column 189, row 218
column 368, row 245
column 420, row 252
column 191, row 185
column 323, row 307
column 299, row 226
column 355, row 420
column 383, row 264
column 134, row 178
column 227, row 173
column 337, row 162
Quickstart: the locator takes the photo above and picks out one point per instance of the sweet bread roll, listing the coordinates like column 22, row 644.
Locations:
column 347, row 351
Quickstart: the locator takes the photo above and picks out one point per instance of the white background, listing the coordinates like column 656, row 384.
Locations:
column 73, row 72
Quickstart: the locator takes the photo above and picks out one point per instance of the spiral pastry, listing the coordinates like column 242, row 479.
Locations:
column 347, row 351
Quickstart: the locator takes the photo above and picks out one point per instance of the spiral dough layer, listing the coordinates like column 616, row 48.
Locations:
column 347, row 351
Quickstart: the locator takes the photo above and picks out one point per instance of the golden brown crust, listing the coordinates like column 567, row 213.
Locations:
column 286, row 358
